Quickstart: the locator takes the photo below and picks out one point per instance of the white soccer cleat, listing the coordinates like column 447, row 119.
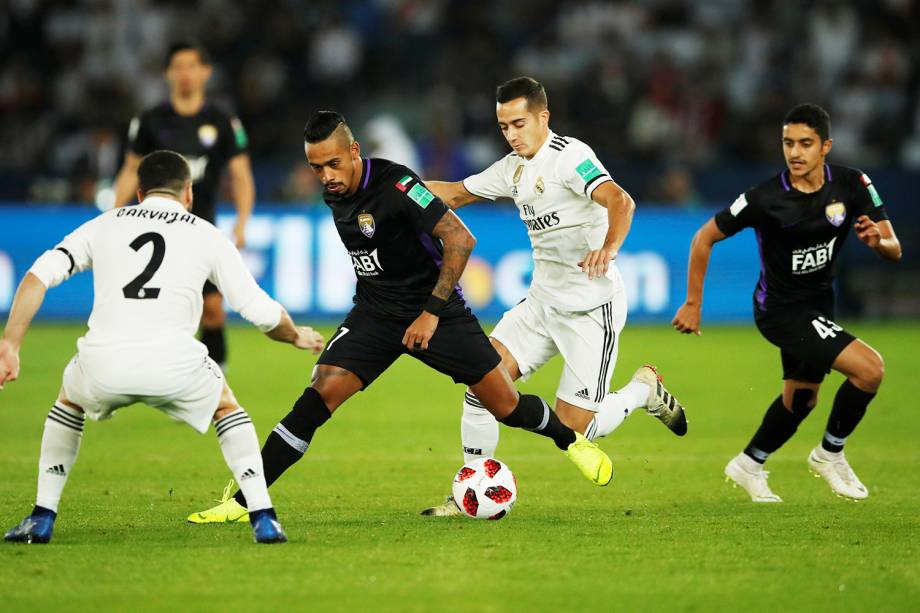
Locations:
column 661, row 404
column 448, row 509
column 835, row 469
column 753, row 479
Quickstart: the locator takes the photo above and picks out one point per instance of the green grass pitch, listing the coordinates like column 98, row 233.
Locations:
column 668, row 534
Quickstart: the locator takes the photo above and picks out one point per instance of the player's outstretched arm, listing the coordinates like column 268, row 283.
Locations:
column 302, row 337
column 458, row 244
column 620, row 207
column 126, row 181
column 879, row 236
column 453, row 194
column 28, row 300
column 243, row 189
column 687, row 319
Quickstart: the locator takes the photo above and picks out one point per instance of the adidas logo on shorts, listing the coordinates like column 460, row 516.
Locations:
column 249, row 474
column 583, row 394
column 57, row 470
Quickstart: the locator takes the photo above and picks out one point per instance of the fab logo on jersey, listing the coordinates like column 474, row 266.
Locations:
column 835, row 213
column 812, row 259
column 366, row 224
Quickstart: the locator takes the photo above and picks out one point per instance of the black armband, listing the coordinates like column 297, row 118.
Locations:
column 434, row 305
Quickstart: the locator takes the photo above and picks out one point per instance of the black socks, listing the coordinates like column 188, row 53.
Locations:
column 850, row 405
column 531, row 413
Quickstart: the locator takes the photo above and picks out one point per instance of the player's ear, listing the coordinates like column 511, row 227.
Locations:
column 188, row 196
column 140, row 196
column 826, row 146
column 356, row 150
column 544, row 117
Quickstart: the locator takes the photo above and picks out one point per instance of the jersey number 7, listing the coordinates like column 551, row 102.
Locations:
column 135, row 289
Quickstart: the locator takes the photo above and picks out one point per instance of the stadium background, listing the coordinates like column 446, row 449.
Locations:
column 682, row 100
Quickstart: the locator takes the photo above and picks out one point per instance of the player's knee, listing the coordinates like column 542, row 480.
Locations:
column 872, row 373
column 308, row 413
column 803, row 401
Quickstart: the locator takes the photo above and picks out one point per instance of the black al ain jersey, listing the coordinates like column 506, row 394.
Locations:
column 386, row 227
column 800, row 235
column 208, row 140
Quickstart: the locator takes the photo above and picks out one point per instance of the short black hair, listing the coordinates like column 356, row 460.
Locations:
column 185, row 45
column 812, row 116
column 523, row 87
column 165, row 171
column 321, row 125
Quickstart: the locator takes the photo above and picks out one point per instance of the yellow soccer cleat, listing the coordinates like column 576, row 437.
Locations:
column 590, row 459
column 228, row 510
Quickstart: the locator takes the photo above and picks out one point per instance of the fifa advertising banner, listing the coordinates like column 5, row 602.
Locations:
column 296, row 255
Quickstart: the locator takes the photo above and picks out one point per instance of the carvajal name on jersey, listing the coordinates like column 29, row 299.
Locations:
column 814, row 258
column 167, row 216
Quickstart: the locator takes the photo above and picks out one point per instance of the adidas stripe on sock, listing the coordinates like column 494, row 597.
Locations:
column 240, row 446
column 60, row 444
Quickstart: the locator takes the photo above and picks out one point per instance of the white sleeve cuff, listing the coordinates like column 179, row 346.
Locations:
column 53, row 267
column 262, row 312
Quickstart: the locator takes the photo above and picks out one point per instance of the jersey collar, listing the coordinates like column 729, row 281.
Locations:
column 787, row 183
column 163, row 202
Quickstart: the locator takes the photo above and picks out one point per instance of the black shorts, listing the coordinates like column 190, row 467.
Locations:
column 808, row 339
column 209, row 288
column 367, row 344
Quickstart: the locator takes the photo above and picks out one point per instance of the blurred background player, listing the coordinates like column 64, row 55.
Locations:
column 801, row 218
column 408, row 250
column 577, row 218
column 210, row 140
column 149, row 263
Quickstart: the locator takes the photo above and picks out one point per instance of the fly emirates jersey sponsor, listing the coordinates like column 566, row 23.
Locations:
column 552, row 192
column 149, row 264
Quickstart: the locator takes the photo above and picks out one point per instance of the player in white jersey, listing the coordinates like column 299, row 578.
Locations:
column 577, row 218
column 149, row 263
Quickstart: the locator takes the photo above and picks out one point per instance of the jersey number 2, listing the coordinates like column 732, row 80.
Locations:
column 136, row 290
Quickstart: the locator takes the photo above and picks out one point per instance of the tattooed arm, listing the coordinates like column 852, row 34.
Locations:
column 458, row 244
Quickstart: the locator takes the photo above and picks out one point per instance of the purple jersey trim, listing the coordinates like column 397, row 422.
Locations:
column 828, row 169
column 760, row 294
column 367, row 173
column 782, row 177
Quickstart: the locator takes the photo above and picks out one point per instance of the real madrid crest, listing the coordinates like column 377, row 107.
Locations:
column 538, row 186
column 207, row 134
column 835, row 213
column 366, row 224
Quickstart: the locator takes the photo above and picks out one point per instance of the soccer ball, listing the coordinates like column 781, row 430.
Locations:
column 485, row 489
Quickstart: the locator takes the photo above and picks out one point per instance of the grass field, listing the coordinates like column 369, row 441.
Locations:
column 667, row 534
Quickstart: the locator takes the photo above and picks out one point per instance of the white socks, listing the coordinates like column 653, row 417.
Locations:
column 240, row 446
column 60, row 444
column 478, row 430
column 616, row 407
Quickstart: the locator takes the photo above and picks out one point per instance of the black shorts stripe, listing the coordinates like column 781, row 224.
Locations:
column 609, row 339
column 588, row 184
column 56, row 419
column 70, row 257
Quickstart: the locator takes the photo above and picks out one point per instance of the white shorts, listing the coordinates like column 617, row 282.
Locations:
column 535, row 332
column 193, row 403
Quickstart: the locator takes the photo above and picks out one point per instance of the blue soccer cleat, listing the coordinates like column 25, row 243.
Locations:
column 36, row 528
column 265, row 527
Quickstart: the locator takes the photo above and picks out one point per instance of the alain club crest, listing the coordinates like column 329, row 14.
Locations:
column 835, row 213
column 366, row 224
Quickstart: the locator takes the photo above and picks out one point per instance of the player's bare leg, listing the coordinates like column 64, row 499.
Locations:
column 61, row 439
column 864, row 370
column 213, row 334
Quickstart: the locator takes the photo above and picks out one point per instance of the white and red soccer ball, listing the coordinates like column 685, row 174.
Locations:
column 485, row 489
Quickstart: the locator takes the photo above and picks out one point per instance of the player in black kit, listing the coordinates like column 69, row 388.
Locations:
column 408, row 251
column 801, row 218
column 209, row 139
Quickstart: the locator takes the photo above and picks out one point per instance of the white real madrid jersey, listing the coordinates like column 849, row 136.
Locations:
column 552, row 191
column 149, row 264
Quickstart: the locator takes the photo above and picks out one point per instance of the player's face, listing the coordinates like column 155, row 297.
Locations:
column 525, row 130
column 336, row 163
column 186, row 73
column 803, row 148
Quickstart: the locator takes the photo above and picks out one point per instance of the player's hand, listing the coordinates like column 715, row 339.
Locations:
column 420, row 332
column 9, row 363
column 687, row 319
column 308, row 338
column 239, row 236
column 867, row 231
column 597, row 262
